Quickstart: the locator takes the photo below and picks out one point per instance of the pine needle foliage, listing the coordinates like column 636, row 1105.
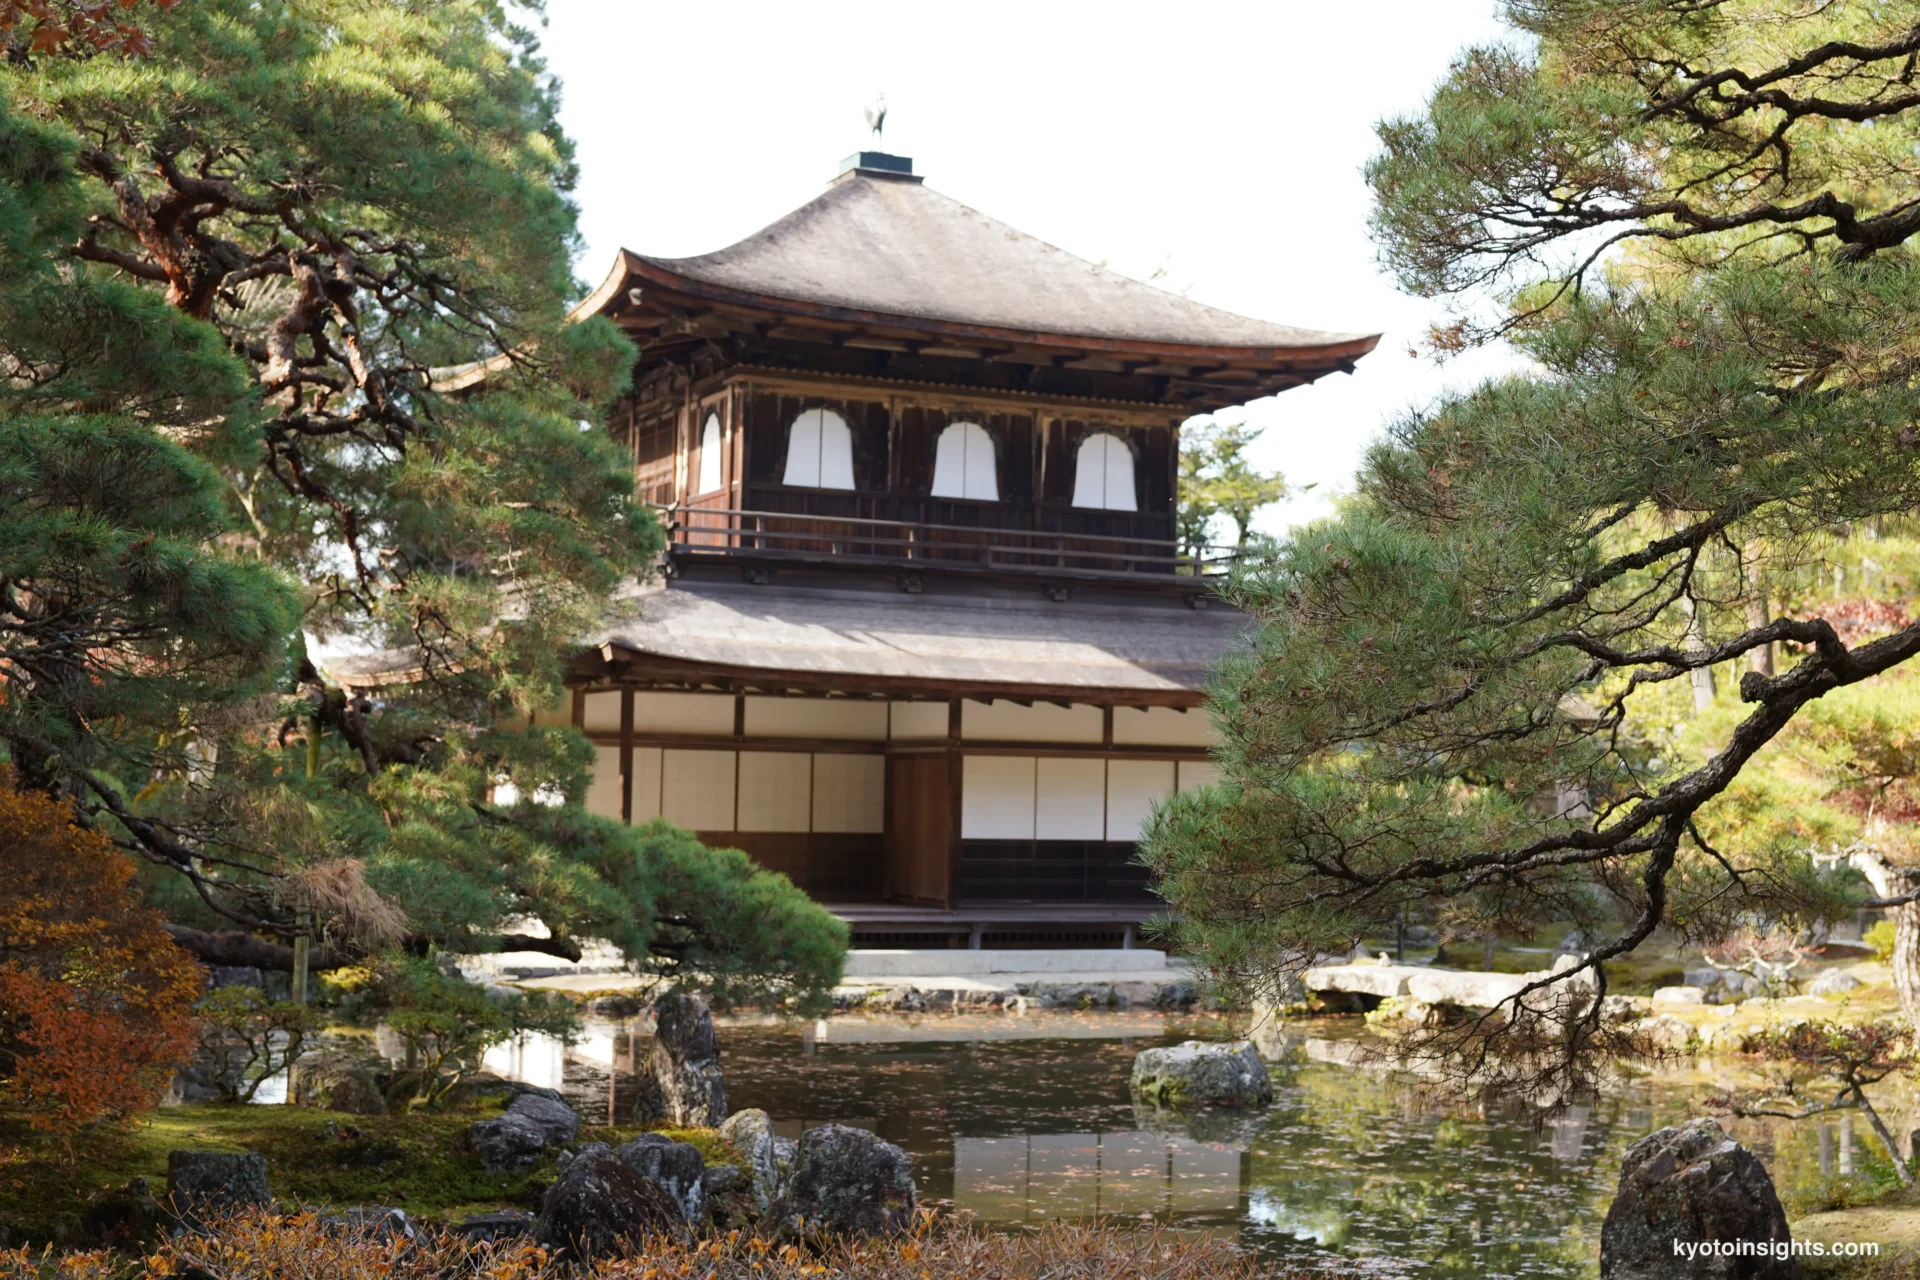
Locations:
column 1458, row 698
column 244, row 261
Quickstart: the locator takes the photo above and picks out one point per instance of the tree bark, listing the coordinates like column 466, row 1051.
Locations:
column 1890, row 881
column 244, row 951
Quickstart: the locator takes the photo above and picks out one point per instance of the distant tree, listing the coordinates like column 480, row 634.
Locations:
column 95, row 1000
column 1217, row 479
column 1446, row 698
column 1846, row 1059
column 236, row 268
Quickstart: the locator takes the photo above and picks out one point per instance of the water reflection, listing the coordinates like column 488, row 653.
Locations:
column 1023, row 1119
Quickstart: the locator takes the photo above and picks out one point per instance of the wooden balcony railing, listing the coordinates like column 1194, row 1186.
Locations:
column 773, row 535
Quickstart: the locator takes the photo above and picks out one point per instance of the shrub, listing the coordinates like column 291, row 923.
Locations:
column 1880, row 938
column 448, row 1024
column 249, row 1039
column 259, row 1247
column 95, row 1000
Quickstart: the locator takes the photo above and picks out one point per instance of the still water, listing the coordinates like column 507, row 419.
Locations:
column 1019, row 1120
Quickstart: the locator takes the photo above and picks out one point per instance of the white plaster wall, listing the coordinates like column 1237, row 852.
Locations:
column 1162, row 727
column 1043, row 722
column 918, row 720
column 817, row 718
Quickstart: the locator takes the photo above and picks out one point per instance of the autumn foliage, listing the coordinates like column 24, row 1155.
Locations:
column 261, row 1246
column 95, row 999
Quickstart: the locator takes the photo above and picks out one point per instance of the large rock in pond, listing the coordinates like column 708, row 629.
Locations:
column 750, row 1132
column 515, row 1139
column 1202, row 1072
column 682, row 1085
column 205, row 1185
column 845, row 1182
column 599, row 1206
column 1685, row 1194
column 677, row 1168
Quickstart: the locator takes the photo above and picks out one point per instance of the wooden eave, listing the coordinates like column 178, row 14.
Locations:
column 668, row 294
column 614, row 664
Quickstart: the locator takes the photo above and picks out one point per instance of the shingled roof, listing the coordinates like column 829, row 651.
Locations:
column 864, row 640
column 888, row 245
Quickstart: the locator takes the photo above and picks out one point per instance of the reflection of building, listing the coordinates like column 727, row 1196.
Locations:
column 1039, row 1176
column 928, row 643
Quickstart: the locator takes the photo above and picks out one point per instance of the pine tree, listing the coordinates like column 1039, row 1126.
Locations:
column 1697, row 221
column 238, row 266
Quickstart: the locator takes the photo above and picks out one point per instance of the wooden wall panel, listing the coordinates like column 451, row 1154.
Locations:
column 919, row 828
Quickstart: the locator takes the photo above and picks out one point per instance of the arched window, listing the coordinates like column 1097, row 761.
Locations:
column 1103, row 474
column 709, row 456
column 820, row 451
column 963, row 464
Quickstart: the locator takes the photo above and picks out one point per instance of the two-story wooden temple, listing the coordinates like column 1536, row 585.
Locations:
column 924, row 641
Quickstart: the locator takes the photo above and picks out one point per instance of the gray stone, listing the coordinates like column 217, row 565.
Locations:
column 682, row 1084
column 750, row 1133
column 507, row 1143
column 503, row 1224
column 1680, row 995
column 1227, row 1075
column 599, row 1206
column 1668, row 1033
column 208, row 1184
column 846, row 1181
column 1832, row 983
column 556, row 1120
column 126, row 1219
column 1696, row 1186
column 379, row 1222
column 341, row 1080
column 720, row 1180
column 675, row 1167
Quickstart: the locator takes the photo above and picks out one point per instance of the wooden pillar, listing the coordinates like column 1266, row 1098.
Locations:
column 955, row 770
column 626, row 755
column 579, row 708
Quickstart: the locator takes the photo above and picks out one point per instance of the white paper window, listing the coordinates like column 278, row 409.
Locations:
column 963, row 464
column 849, row 793
column 996, row 798
column 820, row 451
column 1103, row 474
column 709, row 456
column 1198, row 773
column 1133, row 788
column 696, row 789
column 776, row 790
column 1070, row 799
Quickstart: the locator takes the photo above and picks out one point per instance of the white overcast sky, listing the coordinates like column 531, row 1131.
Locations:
column 1221, row 142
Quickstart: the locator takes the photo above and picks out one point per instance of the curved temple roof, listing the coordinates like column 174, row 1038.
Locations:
column 890, row 246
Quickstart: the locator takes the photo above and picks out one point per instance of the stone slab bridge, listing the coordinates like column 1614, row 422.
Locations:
column 1364, row 984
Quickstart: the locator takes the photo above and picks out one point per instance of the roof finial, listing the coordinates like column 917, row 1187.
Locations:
column 877, row 117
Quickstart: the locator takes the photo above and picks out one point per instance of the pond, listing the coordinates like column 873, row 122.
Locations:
column 1022, row 1119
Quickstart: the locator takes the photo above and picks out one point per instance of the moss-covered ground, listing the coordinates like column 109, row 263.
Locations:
column 418, row 1161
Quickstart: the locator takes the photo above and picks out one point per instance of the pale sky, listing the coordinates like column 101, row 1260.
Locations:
column 1221, row 142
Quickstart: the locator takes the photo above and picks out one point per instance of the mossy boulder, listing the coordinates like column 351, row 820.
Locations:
column 845, row 1182
column 1202, row 1073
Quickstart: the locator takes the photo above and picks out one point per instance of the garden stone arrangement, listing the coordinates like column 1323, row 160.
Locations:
column 1685, row 1191
column 1199, row 1073
column 835, row 1182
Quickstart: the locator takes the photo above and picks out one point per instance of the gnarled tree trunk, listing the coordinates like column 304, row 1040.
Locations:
column 1889, row 881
